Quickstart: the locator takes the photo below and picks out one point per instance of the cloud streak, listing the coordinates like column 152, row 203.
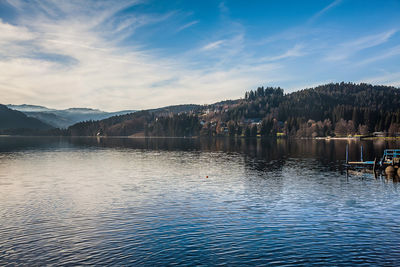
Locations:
column 391, row 79
column 295, row 51
column 324, row 10
column 392, row 52
column 345, row 50
column 213, row 45
column 187, row 25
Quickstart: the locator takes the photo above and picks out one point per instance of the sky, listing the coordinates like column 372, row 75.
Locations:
column 116, row 55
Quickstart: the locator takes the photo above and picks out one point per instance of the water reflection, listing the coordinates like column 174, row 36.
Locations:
column 261, row 154
column 125, row 201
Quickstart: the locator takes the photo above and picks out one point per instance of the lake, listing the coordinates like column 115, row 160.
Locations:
column 126, row 201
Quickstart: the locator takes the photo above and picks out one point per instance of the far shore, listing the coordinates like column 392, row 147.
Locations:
column 141, row 136
column 359, row 138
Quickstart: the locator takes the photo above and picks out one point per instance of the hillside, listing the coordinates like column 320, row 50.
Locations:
column 14, row 120
column 334, row 109
column 339, row 109
column 66, row 117
column 129, row 124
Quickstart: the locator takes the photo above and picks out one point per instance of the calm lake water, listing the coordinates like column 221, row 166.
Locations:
column 121, row 201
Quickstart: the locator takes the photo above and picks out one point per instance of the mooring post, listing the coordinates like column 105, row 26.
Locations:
column 362, row 153
column 347, row 153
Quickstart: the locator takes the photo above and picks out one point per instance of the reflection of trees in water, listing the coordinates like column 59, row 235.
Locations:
column 371, row 148
column 169, row 144
column 259, row 154
column 15, row 143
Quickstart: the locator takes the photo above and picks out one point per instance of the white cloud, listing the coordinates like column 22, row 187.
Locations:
column 391, row 79
column 187, row 25
column 347, row 49
column 100, row 73
column 11, row 33
column 392, row 52
column 324, row 10
column 295, row 51
column 213, row 45
column 72, row 54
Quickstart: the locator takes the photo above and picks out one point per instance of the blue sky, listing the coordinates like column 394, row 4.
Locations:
column 117, row 55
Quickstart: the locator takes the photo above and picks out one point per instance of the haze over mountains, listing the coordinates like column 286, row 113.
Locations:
column 13, row 119
column 64, row 118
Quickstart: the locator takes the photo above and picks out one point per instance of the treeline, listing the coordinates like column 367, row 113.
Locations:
column 123, row 125
column 257, row 104
column 337, row 109
column 176, row 125
column 328, row 110
column 143, row 122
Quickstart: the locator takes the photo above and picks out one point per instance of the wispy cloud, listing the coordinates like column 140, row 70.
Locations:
column 384, row 79
column 324, row 10
column 389, row 53
column 295, row 51
column 11, row 33
column 301, row 30
column 213, row 45
column 115, row 55
column 187, row 25
column 347, row 49
column 100, row 72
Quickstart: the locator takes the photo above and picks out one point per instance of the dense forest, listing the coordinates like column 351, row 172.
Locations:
column 336, row 109
column 169, row 121
column 12, row 121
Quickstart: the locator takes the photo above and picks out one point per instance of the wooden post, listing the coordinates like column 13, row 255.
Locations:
column 347, row 153
column 362, row 153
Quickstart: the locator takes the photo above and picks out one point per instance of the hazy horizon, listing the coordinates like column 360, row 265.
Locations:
column 147, row 54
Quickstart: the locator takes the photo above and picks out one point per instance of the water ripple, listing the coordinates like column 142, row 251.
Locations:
column 100, row 205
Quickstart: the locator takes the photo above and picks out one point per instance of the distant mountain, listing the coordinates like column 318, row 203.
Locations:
column 13, row 119
column 50, row 118
column 67, row 117
column 29, row 108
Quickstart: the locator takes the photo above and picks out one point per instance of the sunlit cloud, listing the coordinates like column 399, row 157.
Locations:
column 100, row 73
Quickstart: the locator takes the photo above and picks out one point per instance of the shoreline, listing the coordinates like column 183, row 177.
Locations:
column 358, row 138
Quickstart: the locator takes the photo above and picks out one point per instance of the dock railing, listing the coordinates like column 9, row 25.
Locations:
column 392, row 153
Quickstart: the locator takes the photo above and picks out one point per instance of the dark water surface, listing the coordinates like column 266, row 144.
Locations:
column 123, row 201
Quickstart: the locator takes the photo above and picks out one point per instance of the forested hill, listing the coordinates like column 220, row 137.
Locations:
column 12, row 120
column 130, row 124
column 332, row 109
column 337, row 109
